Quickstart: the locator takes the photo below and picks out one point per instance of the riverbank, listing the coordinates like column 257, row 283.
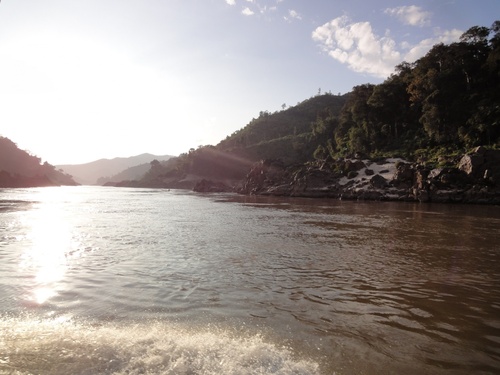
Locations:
column 474, row 178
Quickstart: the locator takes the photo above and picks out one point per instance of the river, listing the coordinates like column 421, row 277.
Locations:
column 97, row 280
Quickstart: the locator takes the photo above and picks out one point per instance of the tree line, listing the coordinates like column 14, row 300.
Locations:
column 449, row 99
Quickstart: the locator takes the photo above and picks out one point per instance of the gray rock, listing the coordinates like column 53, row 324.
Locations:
column 471, row 164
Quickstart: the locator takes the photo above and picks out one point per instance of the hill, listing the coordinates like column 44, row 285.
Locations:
column 89, row 173
column 285, row 134
column 132, row 173
column 20, row 169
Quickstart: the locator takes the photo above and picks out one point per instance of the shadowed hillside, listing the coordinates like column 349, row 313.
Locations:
column 20, row 169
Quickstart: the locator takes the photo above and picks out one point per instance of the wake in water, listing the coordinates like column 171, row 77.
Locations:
column 62, row 346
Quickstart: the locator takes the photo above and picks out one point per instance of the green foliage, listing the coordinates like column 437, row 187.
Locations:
column 447, row 100
column 294, row 121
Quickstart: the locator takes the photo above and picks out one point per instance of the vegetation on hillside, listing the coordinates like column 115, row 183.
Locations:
column 447, row 101
column 20, row 169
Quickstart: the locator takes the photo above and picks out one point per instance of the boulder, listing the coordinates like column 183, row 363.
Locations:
column 378, row 182
column 421, row 175
column 471, row 164
column 453, row 177
column 353, row 165
column 404, row 173
column 263, row 174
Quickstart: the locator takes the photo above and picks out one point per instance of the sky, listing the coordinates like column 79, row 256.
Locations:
column 82, row 80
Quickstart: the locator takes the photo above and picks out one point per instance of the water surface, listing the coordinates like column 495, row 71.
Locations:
column 135, row 281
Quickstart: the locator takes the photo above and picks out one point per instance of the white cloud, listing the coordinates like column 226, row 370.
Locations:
column 410, row 15
column 419, row 50
column 262, row 7
column 357, row 46
column 293, row 15
column 247, row 12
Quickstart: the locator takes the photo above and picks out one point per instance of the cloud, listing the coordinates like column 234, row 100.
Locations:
column 410, row 15
column 358, row 47
column 262, row 7
column 293, row 15
column 247, row 12
column 419, row 50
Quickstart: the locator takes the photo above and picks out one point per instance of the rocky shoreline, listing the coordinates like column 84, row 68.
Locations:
column 475, row 178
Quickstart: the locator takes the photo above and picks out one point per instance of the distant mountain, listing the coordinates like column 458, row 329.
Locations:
column 132, row 173
column 90, row 173
column 20, row 169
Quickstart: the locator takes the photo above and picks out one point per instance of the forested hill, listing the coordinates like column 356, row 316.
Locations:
column 20, row 169
column 445, row 102
column 291, row 124
column 435, row 108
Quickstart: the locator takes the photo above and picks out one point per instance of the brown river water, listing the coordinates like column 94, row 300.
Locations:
column 98, row 280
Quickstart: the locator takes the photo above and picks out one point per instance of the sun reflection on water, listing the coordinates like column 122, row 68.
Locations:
column 50, row 244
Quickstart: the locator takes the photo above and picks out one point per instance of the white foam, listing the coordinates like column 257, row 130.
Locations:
column 58, row 346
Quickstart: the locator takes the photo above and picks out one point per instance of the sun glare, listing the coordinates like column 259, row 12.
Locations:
column 49, row 236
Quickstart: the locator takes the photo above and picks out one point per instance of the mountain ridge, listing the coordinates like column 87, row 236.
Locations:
column 89, row 173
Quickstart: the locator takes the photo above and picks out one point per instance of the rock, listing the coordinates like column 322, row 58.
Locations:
column 471, row 164
column 434, row 173
column 421, row 175
column 353, row 165
column 476, row 181
column 404, row 173
column 263, row 174
column 378, row 182
column 209, row 186
column 453, row 177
